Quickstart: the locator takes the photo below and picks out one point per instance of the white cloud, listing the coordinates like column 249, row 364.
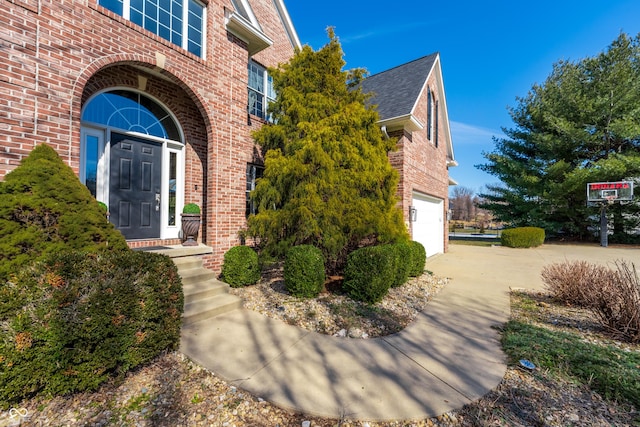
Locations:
column 465, row 134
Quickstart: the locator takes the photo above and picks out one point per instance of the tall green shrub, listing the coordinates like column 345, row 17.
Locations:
column 304, row 273
column 368, row 274
column 75, row 319
column 45, row 209
column 240, row 267
column 327, row 181
column 522, row 237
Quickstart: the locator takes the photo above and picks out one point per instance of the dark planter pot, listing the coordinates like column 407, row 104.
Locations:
column 190, row 228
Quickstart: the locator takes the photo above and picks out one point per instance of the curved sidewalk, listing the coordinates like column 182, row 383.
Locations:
column 448, row 357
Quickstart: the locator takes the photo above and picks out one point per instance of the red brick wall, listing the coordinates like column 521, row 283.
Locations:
column 55, row 54
column 422, row 165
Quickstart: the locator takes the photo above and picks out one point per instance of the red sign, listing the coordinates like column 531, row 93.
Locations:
column 608, row 185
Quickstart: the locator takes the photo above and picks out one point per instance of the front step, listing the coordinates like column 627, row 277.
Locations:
column 204, row 295
column 209, row 307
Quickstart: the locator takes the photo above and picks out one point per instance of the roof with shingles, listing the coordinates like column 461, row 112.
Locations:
column 396, row 91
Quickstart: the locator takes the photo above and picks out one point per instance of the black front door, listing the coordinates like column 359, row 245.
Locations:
column 134, row 186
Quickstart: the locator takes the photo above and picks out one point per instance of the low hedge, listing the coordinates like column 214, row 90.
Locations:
column 368, row 274
column 240, row 267
column 522, row 237
column 75, row 319
column 304, row 272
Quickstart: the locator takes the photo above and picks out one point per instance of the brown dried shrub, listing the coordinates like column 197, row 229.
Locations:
column 612, row 295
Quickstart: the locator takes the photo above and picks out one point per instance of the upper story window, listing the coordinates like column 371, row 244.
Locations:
column 179, row 21
column 260, row 89
column 429, row 114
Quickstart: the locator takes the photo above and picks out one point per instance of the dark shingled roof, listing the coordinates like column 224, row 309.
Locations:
column 396, row 91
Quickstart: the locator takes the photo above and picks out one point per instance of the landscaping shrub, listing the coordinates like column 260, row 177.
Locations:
column 368, row 274
column 240, row 267
column 522, row 237
column 45, row 209
column 401, row 257
column 75, row 319
column 417, row 259
column 304, row 274
column 571, row 281
column 612, row 295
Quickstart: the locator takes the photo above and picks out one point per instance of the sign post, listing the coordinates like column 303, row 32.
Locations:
column 605, row 194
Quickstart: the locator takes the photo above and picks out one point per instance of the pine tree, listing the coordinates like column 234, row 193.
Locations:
column 581, row 125
column 328, row 181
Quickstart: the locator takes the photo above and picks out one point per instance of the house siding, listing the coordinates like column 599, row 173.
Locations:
column 56, row 54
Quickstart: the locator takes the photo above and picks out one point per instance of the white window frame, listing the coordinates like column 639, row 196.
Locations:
column 126, row 14
column 267, row 95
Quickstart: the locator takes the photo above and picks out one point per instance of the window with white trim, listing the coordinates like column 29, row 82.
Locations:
column 179, row 21
column 260, row 88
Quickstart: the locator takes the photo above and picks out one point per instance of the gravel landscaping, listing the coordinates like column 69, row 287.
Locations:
column 173, row 391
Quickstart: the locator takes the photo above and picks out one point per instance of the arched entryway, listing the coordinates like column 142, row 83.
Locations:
column 132, row 159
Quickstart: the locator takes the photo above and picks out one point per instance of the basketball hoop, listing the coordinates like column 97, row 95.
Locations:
column 612, row 198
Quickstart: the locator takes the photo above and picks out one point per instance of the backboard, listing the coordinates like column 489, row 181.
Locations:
column 609, row 191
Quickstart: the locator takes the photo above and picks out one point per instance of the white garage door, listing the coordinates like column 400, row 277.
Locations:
column 428, row 227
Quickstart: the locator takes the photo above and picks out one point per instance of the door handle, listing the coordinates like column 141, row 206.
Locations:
column 157, row 202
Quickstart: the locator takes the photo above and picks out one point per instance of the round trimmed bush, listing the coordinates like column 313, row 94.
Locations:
column 240, row 267
column 304, row 273
column 368, row 274
column 522, row 237
column 417, row 258
column 401, row 255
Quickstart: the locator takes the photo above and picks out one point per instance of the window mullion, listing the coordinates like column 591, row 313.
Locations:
column 185, row 24
column 126, row 9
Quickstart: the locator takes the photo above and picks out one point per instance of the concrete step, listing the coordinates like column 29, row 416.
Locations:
column 206, row 308
column 195, row 275
column 187, row 262
column 200, row 290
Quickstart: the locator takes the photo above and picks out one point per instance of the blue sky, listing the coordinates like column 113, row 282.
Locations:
column 491, row 52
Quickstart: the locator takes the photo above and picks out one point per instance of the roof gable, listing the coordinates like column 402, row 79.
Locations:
column 397, row 92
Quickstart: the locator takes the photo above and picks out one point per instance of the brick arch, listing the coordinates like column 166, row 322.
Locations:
column 79, row 91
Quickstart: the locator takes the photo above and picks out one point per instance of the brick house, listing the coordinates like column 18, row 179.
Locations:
column 153, row 108
column 412, row 105
column 151, row 103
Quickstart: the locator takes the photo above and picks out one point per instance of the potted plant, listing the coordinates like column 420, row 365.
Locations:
column 105, row 209
column 190, row 224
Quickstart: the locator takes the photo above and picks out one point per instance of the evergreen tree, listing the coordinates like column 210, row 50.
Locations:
column 582, row 125
column 44, row 209
column 328, row 181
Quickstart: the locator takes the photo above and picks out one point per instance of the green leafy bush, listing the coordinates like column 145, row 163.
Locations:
column 522, row 237
column 75, row 319
column 45, row 209
column 304, row 274
column 401, row 258
column 418, row 258
column 368, row 274
column 240, row 267
column 191, row 208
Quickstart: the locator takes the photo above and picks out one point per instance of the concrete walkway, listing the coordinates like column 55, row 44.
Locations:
column 448, row 357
